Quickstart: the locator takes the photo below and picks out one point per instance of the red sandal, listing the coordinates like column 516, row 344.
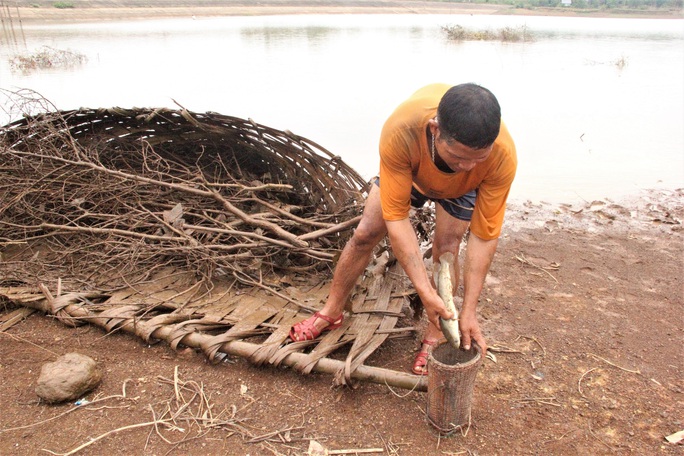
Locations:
column 420, row 363
column 305, row 330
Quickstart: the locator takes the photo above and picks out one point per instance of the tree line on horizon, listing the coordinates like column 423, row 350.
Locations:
column 589, row 4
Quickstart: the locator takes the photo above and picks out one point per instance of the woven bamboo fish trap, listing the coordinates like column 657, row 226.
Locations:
column 199, row 229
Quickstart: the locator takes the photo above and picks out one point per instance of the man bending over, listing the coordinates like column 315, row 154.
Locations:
column 448, row 145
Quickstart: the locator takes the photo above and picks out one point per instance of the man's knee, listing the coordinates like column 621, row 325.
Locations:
column 367, row 236
column 452, row 244
column 371, row 229
column 448, row 239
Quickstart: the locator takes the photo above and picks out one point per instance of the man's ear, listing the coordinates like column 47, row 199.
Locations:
column 434, row 125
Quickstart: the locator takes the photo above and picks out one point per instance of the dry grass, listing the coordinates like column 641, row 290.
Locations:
column 505, row 34
column 46, row 58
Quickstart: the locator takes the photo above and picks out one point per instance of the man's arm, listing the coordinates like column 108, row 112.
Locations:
column 406, row 249
column 479, row 256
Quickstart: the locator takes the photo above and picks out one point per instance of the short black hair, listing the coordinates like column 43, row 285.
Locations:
column 470, row 114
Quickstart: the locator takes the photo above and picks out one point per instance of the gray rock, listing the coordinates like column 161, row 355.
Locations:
column 68, row 378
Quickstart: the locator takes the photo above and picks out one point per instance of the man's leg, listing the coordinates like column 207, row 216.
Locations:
column 449, row 232
column 355, row 257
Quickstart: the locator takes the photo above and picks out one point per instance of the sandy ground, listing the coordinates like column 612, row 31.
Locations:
column 583, row 305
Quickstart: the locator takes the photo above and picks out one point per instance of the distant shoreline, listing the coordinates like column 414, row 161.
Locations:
column 94, row 11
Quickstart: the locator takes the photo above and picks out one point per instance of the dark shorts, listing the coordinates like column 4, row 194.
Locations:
column 460, row 208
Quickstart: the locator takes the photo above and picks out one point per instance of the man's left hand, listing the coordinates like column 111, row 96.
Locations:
column 470, row 331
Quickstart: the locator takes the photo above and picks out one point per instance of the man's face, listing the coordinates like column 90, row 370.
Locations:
column 457, row 156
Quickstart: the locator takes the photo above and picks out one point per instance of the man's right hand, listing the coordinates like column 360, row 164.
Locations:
column 434, row 307
column 405, row 246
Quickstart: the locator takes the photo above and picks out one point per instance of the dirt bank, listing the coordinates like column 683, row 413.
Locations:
column 132, row 10
column 82, row 11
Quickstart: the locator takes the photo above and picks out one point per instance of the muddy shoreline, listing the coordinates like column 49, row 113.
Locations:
column 38, row 13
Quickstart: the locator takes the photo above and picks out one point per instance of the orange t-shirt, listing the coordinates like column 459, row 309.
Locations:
column 405, row 160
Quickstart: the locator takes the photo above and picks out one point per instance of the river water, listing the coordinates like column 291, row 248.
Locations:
column 596, row 106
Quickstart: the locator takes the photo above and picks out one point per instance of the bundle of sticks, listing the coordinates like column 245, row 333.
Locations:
column 105, row 197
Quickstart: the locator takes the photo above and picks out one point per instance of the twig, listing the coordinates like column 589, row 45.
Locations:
column 124, row 233
column 259, row 223
column 102, row 436
column 503, row 349
column 116, row 396
column 357, row 451
column 175, row 383
column 534, row 339
column 236, row 233
column 333, row 229
column 384, row 443
column 401, row 395
column 599, row 439
column 290, row 215
column 273, row 434
column 17, row 338
column 524, row 260
column 256, row 188
column 579, row 382
column 185, row 440
column 615, row 365
column 541, row 400
column 556, row 439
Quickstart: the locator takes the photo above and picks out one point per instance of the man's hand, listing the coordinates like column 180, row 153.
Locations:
column 435, row 308
column 478, row 258
column 470, row 331
column 405, row 246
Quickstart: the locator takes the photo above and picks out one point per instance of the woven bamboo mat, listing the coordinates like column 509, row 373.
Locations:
column 174, row 308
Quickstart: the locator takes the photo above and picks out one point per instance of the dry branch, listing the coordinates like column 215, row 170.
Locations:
column 104, row 196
